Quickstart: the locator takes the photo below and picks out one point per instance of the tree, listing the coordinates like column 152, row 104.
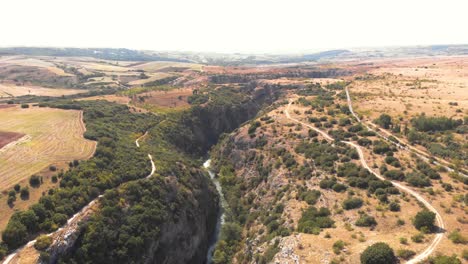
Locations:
column 378, row 253
column 43, row 242
column 35, row 181
column 384, row 121
column 15, row 234
column 424, row 219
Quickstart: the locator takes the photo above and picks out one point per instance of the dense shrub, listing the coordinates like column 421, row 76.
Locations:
column 384, row 121
column 366, row 220
column 405, row 254
column 424, row 123
column 378, row 253
column 424, row 220
column 312, row 220
column 395, row 175
column 352, row 203
column 43, row 242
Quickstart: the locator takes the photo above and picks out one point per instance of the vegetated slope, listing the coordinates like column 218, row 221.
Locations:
column 116, row 160
column 295, row 196
column 52, row 135
column 170, row 217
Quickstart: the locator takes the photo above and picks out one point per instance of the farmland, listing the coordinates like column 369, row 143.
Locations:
column 52, row 136
column 8, row 137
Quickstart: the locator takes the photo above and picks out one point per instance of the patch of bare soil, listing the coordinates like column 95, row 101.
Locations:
column 8, row 137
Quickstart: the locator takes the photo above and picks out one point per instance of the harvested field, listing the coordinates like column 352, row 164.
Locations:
column 173, row 99
column 404, row 88
column 8, row 137
column 120, row 99
column 12, row 90
column 154, row 77
column 52, row 136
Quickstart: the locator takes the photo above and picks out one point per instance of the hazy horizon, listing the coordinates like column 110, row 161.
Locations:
column 210, row 26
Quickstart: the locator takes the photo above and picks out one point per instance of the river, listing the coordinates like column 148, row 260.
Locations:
column 221, row 215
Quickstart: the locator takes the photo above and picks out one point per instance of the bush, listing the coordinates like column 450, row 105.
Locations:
column 338, row 246
column 424, row 219
column 312, row 220
column 392, row 161
column 338, row 187
column 380, row 147
column 394, row 175
column 17, row 187
column 423, row 123
column 394, row 207
column 418, row 180
column 442, row 259
column 43, row 242
column 24, row 105
column 378, row 253
column 418, row 238
column 35, row 181
column 384, row 121
column 366, row 220
column 457, row 237
column 364, row 142
column 24, row 193
column 405, row 253
column 352, row 203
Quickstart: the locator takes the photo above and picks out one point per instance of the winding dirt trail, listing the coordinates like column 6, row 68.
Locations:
column 421, row 154
column 62, row 234
column 438, row 237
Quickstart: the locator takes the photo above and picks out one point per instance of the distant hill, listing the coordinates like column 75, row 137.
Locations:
column 242, row 59
column 99, row 53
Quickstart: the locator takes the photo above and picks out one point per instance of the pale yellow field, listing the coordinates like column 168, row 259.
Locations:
column 154, row 77
column 34, row 62
column 10, row 90
column 52, row 136
column 158, row 65
column 409, row 87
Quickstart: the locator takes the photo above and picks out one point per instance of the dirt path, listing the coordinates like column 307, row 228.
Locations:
column 62, row 234
column 421, row 154
column 438, row 237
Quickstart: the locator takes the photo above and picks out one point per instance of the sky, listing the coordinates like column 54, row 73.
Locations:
column 244, row 26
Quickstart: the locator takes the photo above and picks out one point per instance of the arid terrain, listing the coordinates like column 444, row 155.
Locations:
column 315, row 161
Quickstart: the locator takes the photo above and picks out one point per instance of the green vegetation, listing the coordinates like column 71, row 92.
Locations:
column 313, row 220
column 116, row 160
column 378, row 253
column 443, row 259
column 384, row 121
column 352, row 203
column 425, row 124
column 457, row 238
column 43, row 242
column 366, row 220
column 338, row 246
column 424, row 220
column 405, row 253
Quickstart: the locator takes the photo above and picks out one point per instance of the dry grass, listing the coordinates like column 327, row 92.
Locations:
column 404, row 88
column 12, row 90
column 176, row 98
column 52, row 135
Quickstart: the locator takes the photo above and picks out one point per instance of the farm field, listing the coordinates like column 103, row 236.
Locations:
column 52, row 136
column 8, row 137
column 404, row 88
column 13, row 90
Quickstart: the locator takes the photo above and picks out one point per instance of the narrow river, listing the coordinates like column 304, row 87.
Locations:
column 221, row 215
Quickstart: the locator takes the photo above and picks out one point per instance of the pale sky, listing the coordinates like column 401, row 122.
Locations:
column 247, row 26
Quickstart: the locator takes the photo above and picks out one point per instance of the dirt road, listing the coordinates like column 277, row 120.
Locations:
column 440, row 223
column 422, row 155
